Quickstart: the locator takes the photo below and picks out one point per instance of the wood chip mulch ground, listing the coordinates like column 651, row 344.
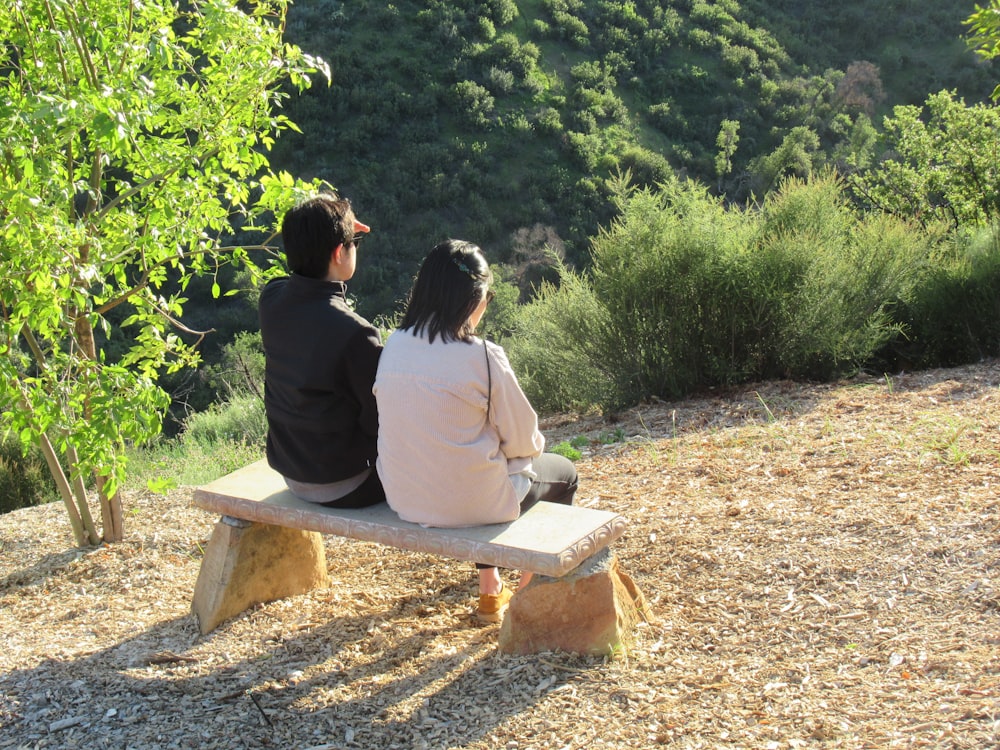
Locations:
column 823, row 563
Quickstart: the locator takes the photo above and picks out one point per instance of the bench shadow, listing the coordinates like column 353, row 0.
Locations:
column 403, row 690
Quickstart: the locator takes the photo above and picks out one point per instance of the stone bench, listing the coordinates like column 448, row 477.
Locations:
column 268, row 545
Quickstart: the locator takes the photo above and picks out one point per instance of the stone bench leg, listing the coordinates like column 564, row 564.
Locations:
column 591, row 610
column 249, row 563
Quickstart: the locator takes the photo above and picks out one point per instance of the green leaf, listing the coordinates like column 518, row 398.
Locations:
column 161, row 485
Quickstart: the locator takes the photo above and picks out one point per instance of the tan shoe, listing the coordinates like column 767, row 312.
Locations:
column 493, row 606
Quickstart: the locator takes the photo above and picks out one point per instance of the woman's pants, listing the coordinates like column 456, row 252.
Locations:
column 556, row 482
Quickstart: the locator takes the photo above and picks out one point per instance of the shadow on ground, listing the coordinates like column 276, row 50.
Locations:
column 161, row 688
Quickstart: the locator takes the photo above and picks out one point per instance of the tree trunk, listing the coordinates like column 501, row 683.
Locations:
column 111, row 506
column 80, row 490
column 111, row 514
column 59, row 476
column 79, row 517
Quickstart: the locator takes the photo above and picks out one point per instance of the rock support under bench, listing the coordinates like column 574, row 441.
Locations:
column 267, row 545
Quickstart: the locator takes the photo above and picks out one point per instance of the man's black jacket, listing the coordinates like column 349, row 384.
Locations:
column 321, row 359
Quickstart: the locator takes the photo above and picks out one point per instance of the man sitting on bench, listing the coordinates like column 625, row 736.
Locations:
column 320, row 362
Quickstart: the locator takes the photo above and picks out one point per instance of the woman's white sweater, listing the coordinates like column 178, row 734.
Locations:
column 441, row 461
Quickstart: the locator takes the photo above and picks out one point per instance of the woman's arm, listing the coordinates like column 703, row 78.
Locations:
column 512, row 415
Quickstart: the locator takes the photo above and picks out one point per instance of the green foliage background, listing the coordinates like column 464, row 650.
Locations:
column 685, row 294
column 508, row 123
column 477, row 119
column 675, row 193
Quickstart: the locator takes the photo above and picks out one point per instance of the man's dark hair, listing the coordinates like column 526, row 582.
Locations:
column 451, row 283
column 312, row 229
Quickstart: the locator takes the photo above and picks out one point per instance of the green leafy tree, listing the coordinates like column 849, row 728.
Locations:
column 984, row 34
column 727, row 140
column 857, row 139
column 132, row 136
column 942, row 163
column 475, row 101
column 794, row 158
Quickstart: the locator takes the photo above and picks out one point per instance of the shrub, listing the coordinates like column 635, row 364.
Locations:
column 474, row 101
column 486, row 28
column 844, row 274
column 661, row 272
column 241, row 419
column 738, row 60
column 648, row 168
column 548, row 121
column 500, row 319
column 684, row 293
column 567, row 450
column 540, row 29
column 659, row 114
column 499, row 80
column 583, row 148
column 571, row 28
column 240, row 369
column 24, row 479
column 953, row 315
column 554, row 348
column 504, row 11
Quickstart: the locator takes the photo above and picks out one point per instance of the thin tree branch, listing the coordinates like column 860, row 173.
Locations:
column 73, row 23
column 177, row 324
column 144, row 279
column 135, row 189
column 36, row 350
column 128, row 33
column 59, row 50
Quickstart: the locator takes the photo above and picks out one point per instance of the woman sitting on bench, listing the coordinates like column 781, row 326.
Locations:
column 458, row 441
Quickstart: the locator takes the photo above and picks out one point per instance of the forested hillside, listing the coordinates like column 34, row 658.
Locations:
column 501, row 121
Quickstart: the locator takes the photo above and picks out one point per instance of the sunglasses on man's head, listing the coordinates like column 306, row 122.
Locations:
column 355, row 240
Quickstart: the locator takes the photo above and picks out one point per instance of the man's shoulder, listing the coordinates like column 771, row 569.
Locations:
column 274, row 286
column 359, row 322
column 315, row 299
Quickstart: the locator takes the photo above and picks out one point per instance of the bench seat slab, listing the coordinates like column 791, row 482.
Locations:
column 549, row 538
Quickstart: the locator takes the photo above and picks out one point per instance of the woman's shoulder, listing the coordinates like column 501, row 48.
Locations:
column 415, row 342
column 496, row 351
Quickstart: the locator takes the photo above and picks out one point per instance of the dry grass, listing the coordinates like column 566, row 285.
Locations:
column 822, row 562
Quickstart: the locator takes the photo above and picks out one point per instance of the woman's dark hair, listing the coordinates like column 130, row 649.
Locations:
column 451, row 283
column 311, row 230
